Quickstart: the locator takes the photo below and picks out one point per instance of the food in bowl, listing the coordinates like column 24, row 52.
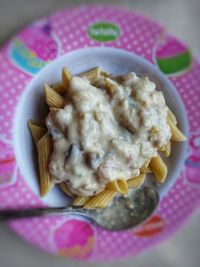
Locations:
column 102, row 135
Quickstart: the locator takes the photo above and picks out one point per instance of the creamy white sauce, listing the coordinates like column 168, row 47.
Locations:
column 101, row 136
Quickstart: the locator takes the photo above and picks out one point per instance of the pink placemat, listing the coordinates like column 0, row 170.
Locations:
column 91, row 26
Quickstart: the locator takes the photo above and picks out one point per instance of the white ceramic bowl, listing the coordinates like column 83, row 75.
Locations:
column 115, row 61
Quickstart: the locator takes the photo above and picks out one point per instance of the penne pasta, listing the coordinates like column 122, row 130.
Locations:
column 53, row 99
column 119, row 185
column 44, row 147
column 148, row 170
column 37, row 131
column 53, row 110
column 92, row 75
column 65, row 189
column 80, row 201
column 177, row 135
column 136, row 181
column 104, row 73
column 143, row 168
column 101, row 200
column 171, row 116
column 158, row 168
column 66, row 77
column 110, row 85
column 59, row 88
column 166, row 149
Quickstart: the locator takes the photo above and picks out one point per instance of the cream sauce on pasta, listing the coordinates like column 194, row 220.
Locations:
column 102, row 135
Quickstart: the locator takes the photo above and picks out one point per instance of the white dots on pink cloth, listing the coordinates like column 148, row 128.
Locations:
column 81, row 39
column 138, row 35
column 3, row 106
column 10, row 101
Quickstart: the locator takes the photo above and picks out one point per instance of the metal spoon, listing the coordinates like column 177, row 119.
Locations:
column 123, row 213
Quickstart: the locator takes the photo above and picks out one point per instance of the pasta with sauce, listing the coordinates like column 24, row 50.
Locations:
column 102, row 135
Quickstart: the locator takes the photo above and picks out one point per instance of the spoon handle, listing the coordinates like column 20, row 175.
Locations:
column 10, row 214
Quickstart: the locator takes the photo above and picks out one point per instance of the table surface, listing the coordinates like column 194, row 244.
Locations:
column 180, row 17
